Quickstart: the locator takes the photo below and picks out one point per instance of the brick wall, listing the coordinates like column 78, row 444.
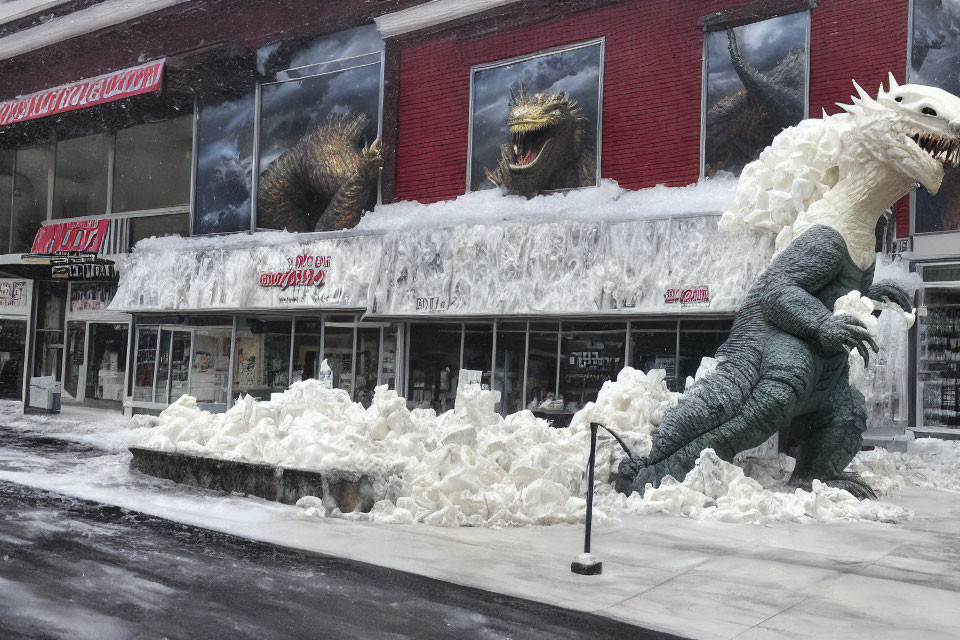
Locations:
column 651, row 88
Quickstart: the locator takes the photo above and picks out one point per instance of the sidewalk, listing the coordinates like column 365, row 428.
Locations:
column 694, row 578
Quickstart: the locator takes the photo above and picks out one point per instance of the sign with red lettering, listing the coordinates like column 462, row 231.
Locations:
column 304, row 271
column 84, row 93
column 698, row 295
column 82, row 235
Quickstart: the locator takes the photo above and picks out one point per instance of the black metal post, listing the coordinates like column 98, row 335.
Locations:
column 591, row 567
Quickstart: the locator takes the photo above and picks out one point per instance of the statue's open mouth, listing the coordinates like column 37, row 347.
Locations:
column 943, row 150
column 528, row 146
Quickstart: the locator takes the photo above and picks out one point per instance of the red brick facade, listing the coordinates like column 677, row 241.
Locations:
column 651, row 88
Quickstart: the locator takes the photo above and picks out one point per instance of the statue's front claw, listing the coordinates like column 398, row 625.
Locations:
column 889, row 292
column 849, row 482
column 634, row 474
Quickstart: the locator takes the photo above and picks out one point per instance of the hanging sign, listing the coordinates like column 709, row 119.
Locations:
column 83, row 235
column 117, row 85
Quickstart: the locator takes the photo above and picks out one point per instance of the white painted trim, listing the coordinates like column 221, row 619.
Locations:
column 78, row 23
column 432, row 13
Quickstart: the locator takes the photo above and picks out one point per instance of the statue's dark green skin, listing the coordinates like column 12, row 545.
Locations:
column 784, row 368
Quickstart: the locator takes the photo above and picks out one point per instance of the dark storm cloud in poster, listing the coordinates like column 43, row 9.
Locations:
column 224, row 164
column 575, row 71
column 935, row 60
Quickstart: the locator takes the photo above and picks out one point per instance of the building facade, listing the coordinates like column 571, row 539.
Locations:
column 249, row 271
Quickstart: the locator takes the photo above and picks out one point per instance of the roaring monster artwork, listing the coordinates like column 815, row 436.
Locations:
column 547, row 147
column 325, row 182
column 822, row 188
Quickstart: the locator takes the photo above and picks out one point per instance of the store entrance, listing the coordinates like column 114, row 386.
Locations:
column 96, row 356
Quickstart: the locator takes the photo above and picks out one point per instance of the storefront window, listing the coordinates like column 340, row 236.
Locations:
column 654, row 346
column 31, row 188
column 478, row 350
column 542, row 366
column 338, row 352
column 934, row 59
column 152, row 166
column 80, row 188
column 367, row 363
column 756, row 87
column 508, row 375
column 13, row 338
column 149, row 226
column 591, row 354
column 388, row 360
column 307, row 347
column 106, row 361
column 76, row 334
column 210, row 366
column 495, row 88
column 48, row 348
column 262, row 361
column 698, row 340
column 146, row 363
column 6, row 194
column 224, row 166
column 434, row 365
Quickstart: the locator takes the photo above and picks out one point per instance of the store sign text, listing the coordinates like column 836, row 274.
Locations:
column 304, row 271
column 84, row 235
column 433, row 303
column 84, row 93
column 688, row 296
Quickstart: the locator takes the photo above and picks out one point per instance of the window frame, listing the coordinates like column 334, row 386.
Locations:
column 602, row 41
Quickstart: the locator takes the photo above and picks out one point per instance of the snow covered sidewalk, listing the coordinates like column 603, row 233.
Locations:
column 703, row 579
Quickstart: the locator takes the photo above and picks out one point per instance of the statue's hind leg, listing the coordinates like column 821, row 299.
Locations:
column 830, row 438
column 786, row 377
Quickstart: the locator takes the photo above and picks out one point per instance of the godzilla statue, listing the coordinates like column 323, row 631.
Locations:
column 323, row 183
column 742, row 124
column 821, row 187
column 548, row 146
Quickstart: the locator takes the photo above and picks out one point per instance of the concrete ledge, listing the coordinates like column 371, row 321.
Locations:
column 344, row 490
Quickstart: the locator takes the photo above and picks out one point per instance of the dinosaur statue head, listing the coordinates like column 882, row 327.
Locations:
column 546, row 142
column 921, row 129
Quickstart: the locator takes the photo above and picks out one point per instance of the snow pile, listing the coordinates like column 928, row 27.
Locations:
column 718, row 490
column 606, row 203
column 468, row 466
column 929, row 462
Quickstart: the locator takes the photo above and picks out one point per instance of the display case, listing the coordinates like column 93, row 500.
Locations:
column 938, row 347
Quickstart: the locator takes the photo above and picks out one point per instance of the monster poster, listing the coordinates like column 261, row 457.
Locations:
column 756, row 81
column 535, row 121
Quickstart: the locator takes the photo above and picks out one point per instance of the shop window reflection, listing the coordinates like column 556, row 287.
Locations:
column 508, row 375
column 434, row 365
column 542, row 367
column 367, row 362
column 262, row 359
column 76, row 334
column 146, row 362
column 591, row 353
column 656, row 348
column 307, row 345
column 152, row 166
column 338, row 352
column 106, row 361
column 13, row 336
column 478, row 349
column 697, row 341
column 388, row 361
column 80, row 188
column 30, row 193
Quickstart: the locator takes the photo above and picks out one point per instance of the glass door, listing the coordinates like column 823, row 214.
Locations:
column 106, row 362
column 76, row 336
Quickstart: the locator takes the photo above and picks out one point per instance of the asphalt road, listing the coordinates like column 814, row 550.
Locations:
column 76, row 569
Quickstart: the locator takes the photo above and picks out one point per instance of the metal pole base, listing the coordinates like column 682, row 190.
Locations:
column 587, row 564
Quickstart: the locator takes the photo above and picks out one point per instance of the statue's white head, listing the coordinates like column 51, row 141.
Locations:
column 922, row 129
